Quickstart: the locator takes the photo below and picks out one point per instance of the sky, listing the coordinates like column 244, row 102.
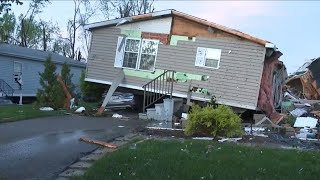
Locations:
column 293, row 26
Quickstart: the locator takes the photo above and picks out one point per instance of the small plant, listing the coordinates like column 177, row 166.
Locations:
column 211, row 121
column 290, row 120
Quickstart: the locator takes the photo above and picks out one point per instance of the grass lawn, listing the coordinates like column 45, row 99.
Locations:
column 16, row 112
column 204, row 160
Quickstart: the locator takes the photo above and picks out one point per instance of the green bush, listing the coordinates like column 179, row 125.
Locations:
column 211, row 121
column 50, row 93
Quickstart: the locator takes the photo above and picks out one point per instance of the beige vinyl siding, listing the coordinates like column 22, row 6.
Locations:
column 236, row 82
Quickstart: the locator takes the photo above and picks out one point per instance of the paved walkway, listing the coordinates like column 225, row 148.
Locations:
column 41, row 148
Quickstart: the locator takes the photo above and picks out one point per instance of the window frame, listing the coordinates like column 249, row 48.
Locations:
column 124, row 51
column 205, row 58
column 155, row 56
column 137, row 67
column 14, row 65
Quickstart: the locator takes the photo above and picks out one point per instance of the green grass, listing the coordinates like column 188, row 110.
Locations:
column 15, row 113
column 204, row 160
column 90, row 105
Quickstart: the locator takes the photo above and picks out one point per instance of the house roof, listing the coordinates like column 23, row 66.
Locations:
column 172, row 12
column 36, row 55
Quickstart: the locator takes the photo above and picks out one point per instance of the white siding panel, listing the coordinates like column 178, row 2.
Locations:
column 161, row 25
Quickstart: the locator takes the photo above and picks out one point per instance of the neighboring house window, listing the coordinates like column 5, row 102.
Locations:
column 208, row 57
column 17, row 68
column 136, row 53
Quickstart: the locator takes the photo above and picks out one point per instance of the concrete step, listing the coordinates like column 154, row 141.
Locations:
column 151, row 113
column 5, row 101
column 167, row 103
column 143, row 116
column 160, row 112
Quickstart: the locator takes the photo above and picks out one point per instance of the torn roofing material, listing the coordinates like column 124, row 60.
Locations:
column 172, row 12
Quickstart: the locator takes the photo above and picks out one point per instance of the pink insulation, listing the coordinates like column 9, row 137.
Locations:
column 265, row 100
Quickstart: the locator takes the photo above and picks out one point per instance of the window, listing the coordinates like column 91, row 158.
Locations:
column 136, row 53
column 17, row 67
column 131, row 52
column 148, row 54
column 208, row 57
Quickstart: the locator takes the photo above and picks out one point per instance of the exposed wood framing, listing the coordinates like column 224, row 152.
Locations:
column 186, row 27
column 219, row 27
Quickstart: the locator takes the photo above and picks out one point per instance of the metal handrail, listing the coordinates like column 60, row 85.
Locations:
column 6, row 88
column 157, row 88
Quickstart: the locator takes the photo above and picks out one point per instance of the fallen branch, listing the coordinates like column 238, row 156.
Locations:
column 101, row 143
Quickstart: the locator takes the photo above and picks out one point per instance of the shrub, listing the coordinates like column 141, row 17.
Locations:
column 210, row 121
column 91, row 91
column 290, row 119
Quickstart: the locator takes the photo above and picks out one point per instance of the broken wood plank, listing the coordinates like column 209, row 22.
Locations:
column 101, row 143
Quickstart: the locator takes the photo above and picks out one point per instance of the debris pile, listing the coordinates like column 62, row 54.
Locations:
column 300, row 105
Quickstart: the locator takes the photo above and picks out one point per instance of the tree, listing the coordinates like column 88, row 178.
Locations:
column 49, row 33
column 82, row 13
column 7, row 27
column 90, row 91
column 29, row 31
column 66, row 77
column 6, row 4
column 51, row 93
column 126, row 8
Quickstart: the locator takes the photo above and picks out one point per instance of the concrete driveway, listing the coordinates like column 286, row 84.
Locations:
column 41, row 148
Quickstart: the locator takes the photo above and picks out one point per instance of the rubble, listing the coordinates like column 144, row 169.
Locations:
column 303, row 122
column 305, row 82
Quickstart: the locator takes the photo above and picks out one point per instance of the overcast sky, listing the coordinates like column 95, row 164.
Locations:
column 292, row 25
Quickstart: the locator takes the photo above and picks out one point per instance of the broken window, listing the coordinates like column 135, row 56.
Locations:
column 136, row 53
column 148, row 54
column 208, row 57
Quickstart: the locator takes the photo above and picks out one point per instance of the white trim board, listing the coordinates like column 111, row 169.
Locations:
column 173, row 94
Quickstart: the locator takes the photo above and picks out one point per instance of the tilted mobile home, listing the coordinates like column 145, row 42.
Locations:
column 197, row 58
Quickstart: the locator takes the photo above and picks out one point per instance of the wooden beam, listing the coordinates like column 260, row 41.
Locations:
column 101, row 143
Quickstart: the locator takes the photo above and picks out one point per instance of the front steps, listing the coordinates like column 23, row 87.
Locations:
column 163, row 111
column 5, row 101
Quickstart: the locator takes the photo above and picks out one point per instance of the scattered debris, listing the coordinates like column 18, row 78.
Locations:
column 117, row 116
column 302, row 122
column 120, row 117
column 229, row 139
column 46, row 109
column 203, row 138
column 185, row 116
column 120, row 126
column 298, row 112
column 80, row 110
column 101, row 143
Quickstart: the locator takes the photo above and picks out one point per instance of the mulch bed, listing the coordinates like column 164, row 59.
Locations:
column 274, row 140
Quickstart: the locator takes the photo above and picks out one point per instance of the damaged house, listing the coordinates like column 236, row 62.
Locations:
column 305, row 82
column 173, row 54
